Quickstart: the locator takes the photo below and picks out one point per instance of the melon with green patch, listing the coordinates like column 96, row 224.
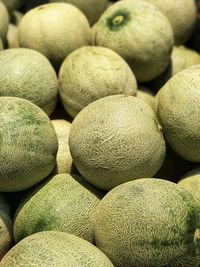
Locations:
column 28, row 144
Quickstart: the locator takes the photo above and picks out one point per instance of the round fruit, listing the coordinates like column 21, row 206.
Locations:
column 90, row 73
column 116, row 139
column 183, row 57
column 4, row 20
column 91, row 8
column 52, row 248
column 191, row 182
column 55, row 30
column 178, row 112
column 25, row 73
column 64, row 159
column 182, row 15
column 140, row 33
column 13, row 4
column 12, row 36
column 148, row 222
column 72, row 202
column 28, row 144
column 147, row 96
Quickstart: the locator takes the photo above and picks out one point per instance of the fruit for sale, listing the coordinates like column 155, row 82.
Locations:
column 116, row 139
column 90, row 73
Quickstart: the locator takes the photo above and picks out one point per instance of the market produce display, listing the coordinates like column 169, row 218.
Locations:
column 99, row 133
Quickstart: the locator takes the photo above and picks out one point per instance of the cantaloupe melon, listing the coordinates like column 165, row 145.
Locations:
column 140, row 33
column 178, row 110
column 116, row 139
column 28, row 144
column 64, row 159
column 51, row 249
column 27, row 74
column 90, row 73
column 63, row 203
column 91, row 8
column 54, row 30
column 148, row 222
column 4, row 20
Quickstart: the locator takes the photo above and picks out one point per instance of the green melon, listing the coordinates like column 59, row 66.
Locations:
column 27, row 74
column 54, row 30
column 63, row 203
column 64, row 159
column 28, row 144
column 148, row 222
column 90, row 73
column 183, row 57
column 179, row 114
column 4, row 20
column 140, row 33
column 91, row 8
column 51, row 248
column 12, row 36
column 191, row 182
column 5, row 227
column 116, row 139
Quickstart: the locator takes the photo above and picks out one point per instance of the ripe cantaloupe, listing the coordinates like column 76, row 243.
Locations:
column 148, row 222
column 91, row 8
column 182, row 15
column 116, row 139
column 90, row 73
column 51, row 249
column 27, row 74
column 64, row 159
column 140, row 33
column 4, row 20
column 63, row 203
column 12, row 36
column 183, row 57
column 28, row 144
column 191, row 182
column 5, row 227
column 179, row 114
column 54, row 30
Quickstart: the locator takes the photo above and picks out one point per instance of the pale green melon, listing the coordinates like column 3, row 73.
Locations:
column 191, row 182
column 27, row 74
column 91, row 8
column 183, row 57
column 63, row 203
column 4, row 20
column 116, row 139
column 64, row 159
column 51, row 249
column 182, row 15
column 90, row 73
column 178, row 111
column 147, row 96
column 12, row 36
column 28, row 144
column 148, row 222
column 54, row 30
column 140, row 33
column 5, row 227
column 13, row 4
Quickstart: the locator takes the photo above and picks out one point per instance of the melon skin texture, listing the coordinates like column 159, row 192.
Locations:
column 52, row 248
column 54, row 30
column 63, row 203
column 183, row 58
column 91, row 8
column 140, row 33
column 28, row 144
column 191, row 182
column 182, row 15
column 64, row 159
column 90, row 73
column 116, row 139
column 148, row 223
column 4, row 21
column 178, row 112
column 27, row 74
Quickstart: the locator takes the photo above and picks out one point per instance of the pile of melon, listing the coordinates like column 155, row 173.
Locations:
column 99, row 133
